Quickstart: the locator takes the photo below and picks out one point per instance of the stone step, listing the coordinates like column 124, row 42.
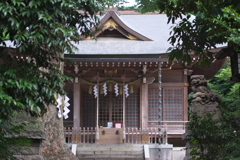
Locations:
column 108, row 152
column 110, row 148
column 83, row 149
column 109, row 156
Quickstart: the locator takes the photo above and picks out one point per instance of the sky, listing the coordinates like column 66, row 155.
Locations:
column 131, row 3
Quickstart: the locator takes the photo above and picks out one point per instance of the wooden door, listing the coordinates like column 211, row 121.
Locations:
column 110, row 109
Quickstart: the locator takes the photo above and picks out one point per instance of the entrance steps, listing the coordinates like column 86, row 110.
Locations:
column 110, row 152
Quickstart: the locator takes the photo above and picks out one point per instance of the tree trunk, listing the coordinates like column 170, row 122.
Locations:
column 54, row 146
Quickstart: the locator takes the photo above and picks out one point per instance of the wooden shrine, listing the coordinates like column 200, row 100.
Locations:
column 120, row 76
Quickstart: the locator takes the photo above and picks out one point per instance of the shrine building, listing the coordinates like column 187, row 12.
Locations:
column 123, row 85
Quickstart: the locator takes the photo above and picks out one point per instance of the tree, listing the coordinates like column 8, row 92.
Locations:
column 31, row 72
column 230, row 94
column 202, row 25
column 217, row 138
column 232, row 33
column 115, row 3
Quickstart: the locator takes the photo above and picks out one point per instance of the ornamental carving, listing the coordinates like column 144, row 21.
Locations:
column 131, row 37
column 110, row 24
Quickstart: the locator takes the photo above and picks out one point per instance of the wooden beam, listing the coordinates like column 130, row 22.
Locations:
column 77, row 59
column 168, row 85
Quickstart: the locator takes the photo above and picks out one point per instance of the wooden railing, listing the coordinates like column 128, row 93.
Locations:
column 174, row 125
column 169, row 125
column 133, row 135
column 143, row 135
column 80, row 135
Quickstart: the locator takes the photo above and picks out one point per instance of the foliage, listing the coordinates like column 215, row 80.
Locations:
column 220, row 82
column 230, row 93
column 198, row 26
column 10, row 140
column 232, row 33
column 116, row 3
column 218, row 138
column 30, row 73
column 212, row 138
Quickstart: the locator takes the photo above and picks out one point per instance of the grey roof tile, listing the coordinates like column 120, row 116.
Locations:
column 153, row 26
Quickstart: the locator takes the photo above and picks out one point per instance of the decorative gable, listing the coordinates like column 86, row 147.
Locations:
column 112, row 26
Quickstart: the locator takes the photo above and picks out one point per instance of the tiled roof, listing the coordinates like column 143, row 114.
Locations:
column 153, row 26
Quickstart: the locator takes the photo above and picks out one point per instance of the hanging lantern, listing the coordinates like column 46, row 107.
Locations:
column 131, row 89
column 101, row 89
column 110, row 87
column 121, row 90
column 90, row 89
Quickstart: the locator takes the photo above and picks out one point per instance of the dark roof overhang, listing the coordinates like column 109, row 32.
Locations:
column 224, row 52
column 116, row 58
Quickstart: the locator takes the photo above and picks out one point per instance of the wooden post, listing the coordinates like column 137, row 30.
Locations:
column 185, row 94
column 97, row 110
column 185, row 103
column 144, row 106
column 76, row 104
column 160, row 104
column 124, row 107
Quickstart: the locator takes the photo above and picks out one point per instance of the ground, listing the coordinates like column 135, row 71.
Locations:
column 178, row 153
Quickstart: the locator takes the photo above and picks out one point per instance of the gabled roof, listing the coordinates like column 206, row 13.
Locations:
column 151, row 32
column 111, row 21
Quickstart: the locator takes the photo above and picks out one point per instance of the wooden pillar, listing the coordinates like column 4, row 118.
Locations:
column 186, row 73
column 160, row 107
column 76, row 103
column 144, row 105
column 124, row 112
column 185, row 102
column 97, row 109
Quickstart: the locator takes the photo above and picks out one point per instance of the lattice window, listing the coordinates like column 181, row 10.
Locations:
column 173, row 104
column 132, row 109
column 117, row 108
column 172, row 109
column 153, row 106
column 88, row 111
column 103, row 110
column 110, row 109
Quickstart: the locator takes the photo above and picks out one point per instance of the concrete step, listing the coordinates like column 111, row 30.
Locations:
column 111, row 152
column 109, row 156
column 83, row 149
column 98, row 147
column 107, row 152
